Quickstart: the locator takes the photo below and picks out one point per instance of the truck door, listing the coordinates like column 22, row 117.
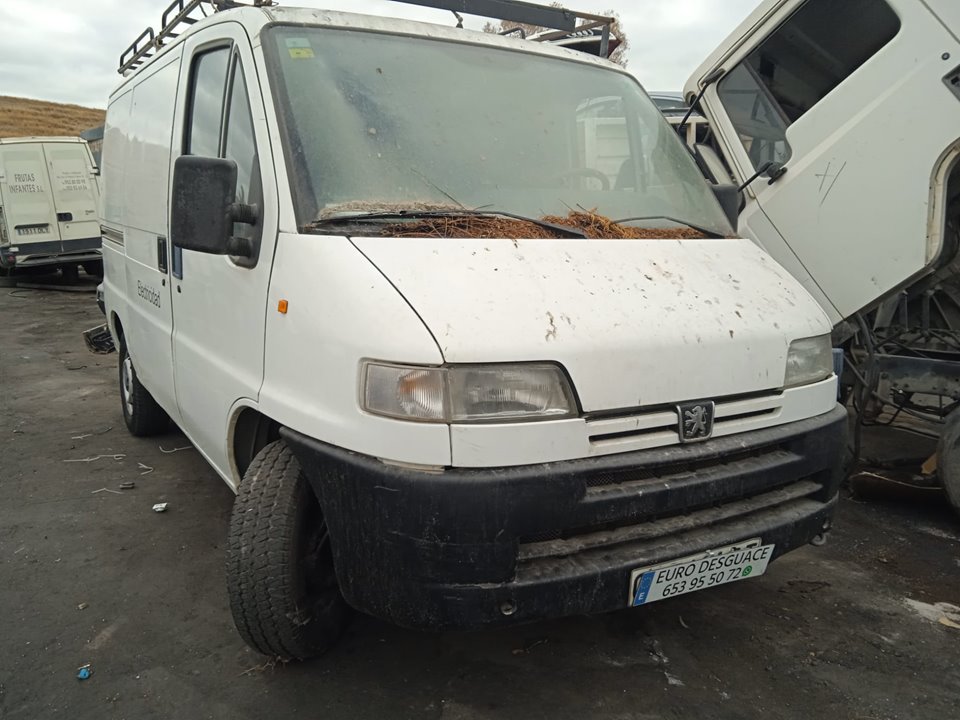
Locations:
column 75, row 191
column 850, row 98
column 219, row 302
column 27, row 199
column 145, row 189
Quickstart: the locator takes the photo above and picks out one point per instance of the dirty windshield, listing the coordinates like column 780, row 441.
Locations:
column 378, row 122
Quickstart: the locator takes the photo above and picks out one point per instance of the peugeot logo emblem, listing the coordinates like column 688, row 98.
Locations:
column 696, row 421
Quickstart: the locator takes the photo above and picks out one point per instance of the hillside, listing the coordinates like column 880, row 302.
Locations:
column 21, row 117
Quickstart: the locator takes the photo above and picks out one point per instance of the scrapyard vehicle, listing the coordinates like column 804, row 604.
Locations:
column 49, row 195
column 330, row 259
column 851, row 112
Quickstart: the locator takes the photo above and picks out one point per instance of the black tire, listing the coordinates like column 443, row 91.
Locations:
column 70, row 273
column 143, row 416
column 280, row 576
column 94, row 268
column 948, row 459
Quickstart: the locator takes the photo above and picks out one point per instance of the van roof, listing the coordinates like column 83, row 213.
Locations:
column 37, row 138
column 763, row 12
column 254, row 19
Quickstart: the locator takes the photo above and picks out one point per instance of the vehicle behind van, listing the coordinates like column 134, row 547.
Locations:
column 458, row 318
column 49, row 198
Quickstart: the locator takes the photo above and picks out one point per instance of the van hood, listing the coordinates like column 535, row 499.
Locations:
column 634, row 322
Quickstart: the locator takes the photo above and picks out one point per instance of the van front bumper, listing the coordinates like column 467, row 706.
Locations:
column 465, row 549
column 34, row 254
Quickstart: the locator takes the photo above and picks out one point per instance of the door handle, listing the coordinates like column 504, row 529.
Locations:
column 162, row 254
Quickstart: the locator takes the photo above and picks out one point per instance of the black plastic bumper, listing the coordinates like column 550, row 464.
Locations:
column 30, row 254
column 464, row 549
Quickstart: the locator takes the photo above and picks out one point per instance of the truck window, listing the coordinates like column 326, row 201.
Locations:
column 209, row 81
column 801, row 63
column 240, row 145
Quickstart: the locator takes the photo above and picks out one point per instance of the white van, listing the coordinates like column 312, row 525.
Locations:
column 425, row 416
column 49, row 200
column 857, row 105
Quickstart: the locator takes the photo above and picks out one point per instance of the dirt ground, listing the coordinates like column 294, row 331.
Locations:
column 846, row 631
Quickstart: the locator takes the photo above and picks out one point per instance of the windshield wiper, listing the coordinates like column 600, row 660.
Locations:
column 380, row 216
column 712, row 234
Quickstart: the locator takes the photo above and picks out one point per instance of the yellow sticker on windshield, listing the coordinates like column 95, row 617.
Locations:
column 299, row 48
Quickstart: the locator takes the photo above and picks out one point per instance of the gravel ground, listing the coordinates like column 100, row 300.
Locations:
column 850, row 630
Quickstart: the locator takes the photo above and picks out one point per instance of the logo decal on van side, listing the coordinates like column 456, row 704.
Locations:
column 148, row 293
column 24, row 183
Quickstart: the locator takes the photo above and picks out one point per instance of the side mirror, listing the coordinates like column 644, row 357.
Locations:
column 203, row 210
column 774, row 171
column 728, row 195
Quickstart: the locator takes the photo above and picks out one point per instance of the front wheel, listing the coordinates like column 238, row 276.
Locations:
column 280, row 577
column 141, row 413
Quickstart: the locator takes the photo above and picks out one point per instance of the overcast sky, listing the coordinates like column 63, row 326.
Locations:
column 67, row 51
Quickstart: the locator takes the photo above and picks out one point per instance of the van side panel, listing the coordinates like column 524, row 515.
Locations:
column 26, row 195
column 144, row 189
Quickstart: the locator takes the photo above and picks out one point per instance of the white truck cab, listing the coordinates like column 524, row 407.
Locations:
column 857, row 106
column 49, row 198
column 333, row 258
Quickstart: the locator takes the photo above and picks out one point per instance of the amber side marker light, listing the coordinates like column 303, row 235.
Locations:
column 283, row 307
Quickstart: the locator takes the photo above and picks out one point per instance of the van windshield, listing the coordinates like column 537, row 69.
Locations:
column 378, row 122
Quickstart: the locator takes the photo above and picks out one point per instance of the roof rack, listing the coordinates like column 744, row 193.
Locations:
column 563, row 22
column 179, row 16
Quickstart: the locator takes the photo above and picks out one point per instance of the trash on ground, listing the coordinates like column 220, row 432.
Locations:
column 175, row 450
column 94, row 492
column 83, row 606
column 160, row 507
column 99, row 340
column 84, row 671
column 146, row 469
column 95, row 458
column 128, row 485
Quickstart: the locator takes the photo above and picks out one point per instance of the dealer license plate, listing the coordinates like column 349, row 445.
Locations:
column 699, row 572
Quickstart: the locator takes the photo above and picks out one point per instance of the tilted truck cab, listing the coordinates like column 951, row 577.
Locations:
column 340, row 256
column 858, row 103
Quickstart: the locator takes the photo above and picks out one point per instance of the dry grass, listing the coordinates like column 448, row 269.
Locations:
column 592, row 225
column 20, row 117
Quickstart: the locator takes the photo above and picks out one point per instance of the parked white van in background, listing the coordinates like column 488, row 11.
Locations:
column 49, row 198
column 340, row 256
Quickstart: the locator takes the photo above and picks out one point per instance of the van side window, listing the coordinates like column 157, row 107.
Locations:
column 240, row 145
column 802, row 62
column 209, row 81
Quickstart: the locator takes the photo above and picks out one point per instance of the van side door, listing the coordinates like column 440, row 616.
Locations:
column 136, row 190
column 220, row 302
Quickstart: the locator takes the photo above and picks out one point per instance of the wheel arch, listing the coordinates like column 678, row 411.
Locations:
column 250, row 431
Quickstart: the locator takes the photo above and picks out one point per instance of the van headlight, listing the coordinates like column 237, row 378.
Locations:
column 467, row 393
column 810, row 360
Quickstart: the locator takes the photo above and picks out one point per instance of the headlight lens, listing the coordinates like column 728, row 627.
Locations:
column 468, row 393
column 810, row 360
